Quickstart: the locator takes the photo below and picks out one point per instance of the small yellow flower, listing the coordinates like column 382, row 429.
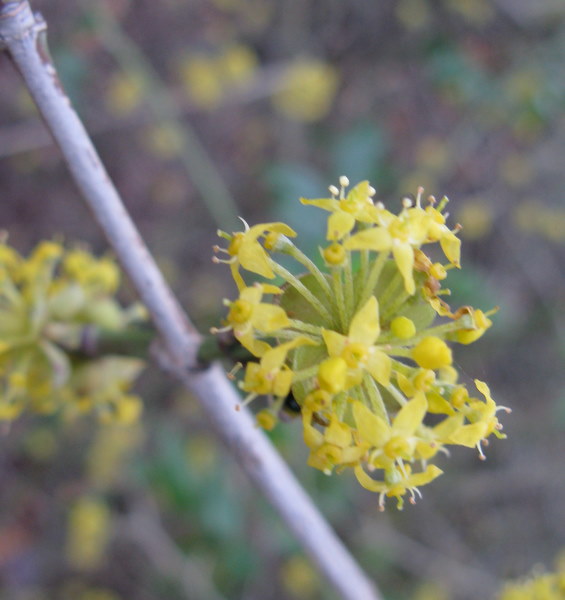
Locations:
column 397, row 482
column 357, row 348
column 307, row 90
column 390, row 442
column 245, row 250
column 356, row 206
column 248, row 315
column 271, row 375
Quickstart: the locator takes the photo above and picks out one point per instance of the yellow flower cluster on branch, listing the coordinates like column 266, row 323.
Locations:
column 541, row 586
column 47, row 302
column 355, row 344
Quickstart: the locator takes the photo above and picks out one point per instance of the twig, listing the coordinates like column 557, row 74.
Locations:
column 22, row 35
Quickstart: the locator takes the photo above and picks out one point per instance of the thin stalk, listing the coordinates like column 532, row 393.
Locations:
column 339, row 301
column 393, row 308
column 373, row 278
column 306, row 327
column 305, row 261
column 303, row 374
column 348, row 288
column 301, row 289
column 377, row 403
column 397, row 395
column 286, row 334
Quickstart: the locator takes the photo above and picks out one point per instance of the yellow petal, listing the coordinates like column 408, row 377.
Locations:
column 404, row 258
column 324, row 203
column 438, row 404
column 379, row 366
column 451, row 246
column 353, row 454
column 446, row 428
column 340, row 223
column 258, row 230
column 267, row 288
column 282, row 383
column 359, row 195
column 252, row 294
column 368, row 482
column 371, row 428
column 338, row 434
column 376, row 238
column 253, row 257
column 411, row 415
column 428, row 475
column 365, row 327
column 273, row 359
column 469, row 435
column 234, row 267
column 312, row 437
column 256, row 347
column 484, row 389
column 268, row 318
column 335, row 342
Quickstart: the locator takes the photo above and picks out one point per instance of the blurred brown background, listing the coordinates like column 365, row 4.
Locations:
column 203, row 111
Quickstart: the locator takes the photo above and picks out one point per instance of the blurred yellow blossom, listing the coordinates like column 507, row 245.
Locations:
column 299, row 578
column 163, row 140
column 48, row 300
column 476, row 218
column 433, row 154
column 88, row 532
column 124, row 93
column 208, row 77
column 474, row 11
column 516, row 170
column 413, row 14
column 307, row 90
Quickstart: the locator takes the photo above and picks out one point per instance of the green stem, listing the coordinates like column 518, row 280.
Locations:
column 394, row 307
column 301, row 289
column 377, row 403
column 306, row 327
column 371, row 282
column 298, row 255
column 303, row 374
column 339, row 301
column 286, row 334
column 349, row 290
column 363, row 266
column 397, row 395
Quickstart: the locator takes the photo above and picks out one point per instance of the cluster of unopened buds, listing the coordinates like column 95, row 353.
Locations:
column 48, row 301
column 354, row 347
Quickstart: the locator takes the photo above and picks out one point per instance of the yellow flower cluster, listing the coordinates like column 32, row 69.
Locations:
column 547, row 586
column 355, row 344
column 47, row 303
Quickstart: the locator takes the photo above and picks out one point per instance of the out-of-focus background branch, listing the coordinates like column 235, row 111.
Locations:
column 464, row 98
